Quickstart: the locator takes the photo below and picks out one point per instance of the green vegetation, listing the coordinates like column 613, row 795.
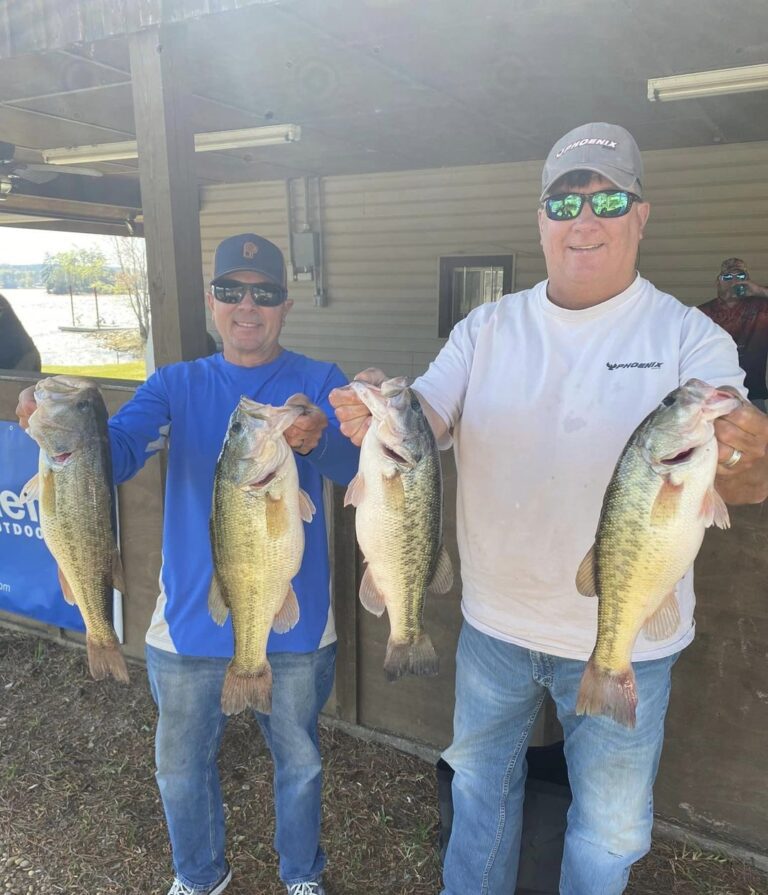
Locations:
column 134, row 370
column 77, row 270
column 21, row 276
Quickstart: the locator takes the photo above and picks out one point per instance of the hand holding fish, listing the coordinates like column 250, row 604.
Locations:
column 742, row 470
column 304, row 435
column 26, row 406
column 351, row 411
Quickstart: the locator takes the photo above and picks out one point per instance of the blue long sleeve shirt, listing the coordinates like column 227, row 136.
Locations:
column 188, row 405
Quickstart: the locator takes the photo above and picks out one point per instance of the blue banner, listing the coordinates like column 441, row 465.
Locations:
column 29, row 583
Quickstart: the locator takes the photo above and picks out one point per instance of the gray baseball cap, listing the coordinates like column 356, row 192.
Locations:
column 606, row 149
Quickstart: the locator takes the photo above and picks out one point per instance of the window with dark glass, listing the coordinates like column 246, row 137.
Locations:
column 468, row 281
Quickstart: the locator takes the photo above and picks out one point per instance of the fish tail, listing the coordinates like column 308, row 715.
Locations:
column 416, row 657
column 105, row 660
column 247, row 688
column 606, row 692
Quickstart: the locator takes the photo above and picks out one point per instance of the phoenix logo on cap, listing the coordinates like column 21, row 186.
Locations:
column 250, row 249
column 592, row 141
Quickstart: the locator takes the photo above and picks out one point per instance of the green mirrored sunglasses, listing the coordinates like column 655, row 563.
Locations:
column 604, row 204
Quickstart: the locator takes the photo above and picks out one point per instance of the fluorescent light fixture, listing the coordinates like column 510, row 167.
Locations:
column 709, row 83
column 272, row 135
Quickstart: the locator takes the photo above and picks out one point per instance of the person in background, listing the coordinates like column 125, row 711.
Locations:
column 188, row 405
column 17, row 350
column 741, row 308
column 538, row 393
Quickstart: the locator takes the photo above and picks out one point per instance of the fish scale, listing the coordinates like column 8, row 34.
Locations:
column 257, row 544
column 74, row 486
column 656, row 508
column 398, row 495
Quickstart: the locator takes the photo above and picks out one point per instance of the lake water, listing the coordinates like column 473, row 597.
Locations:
column 42, row 314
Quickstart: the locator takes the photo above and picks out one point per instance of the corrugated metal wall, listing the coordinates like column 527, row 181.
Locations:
column 385, row 233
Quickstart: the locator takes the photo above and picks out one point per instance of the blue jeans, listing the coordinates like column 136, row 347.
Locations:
column 187, row 691
column 500, row 688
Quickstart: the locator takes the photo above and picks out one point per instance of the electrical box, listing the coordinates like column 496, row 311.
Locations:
column 306, row 255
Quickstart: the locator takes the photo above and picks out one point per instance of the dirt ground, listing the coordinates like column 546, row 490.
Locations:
column 79, row 811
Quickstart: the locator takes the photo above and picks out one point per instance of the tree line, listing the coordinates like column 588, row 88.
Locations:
column 21, row 276
column 87, row 270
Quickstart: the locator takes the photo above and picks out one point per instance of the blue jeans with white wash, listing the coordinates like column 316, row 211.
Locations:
column 500, row 688
column 187, row 691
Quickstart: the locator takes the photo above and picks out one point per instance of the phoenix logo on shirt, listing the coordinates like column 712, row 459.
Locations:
column 639, row 365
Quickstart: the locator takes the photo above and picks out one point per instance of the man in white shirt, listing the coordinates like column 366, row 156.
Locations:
column 538, row 394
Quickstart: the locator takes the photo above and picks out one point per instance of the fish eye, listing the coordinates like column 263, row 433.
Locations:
column 415, row 405
column 669, row 401
column 236, row 427
column 82, row 405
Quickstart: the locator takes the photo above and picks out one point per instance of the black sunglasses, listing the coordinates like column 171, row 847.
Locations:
column 604, row 204
column 727, row 277
column 265, row 295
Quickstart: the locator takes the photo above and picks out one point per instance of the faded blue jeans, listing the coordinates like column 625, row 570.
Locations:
column 500, row 688
column 187, row 691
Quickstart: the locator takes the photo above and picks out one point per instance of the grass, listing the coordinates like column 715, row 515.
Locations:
column 80, row 813
column 134, row 370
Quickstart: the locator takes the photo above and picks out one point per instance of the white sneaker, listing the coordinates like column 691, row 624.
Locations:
column 179, row 888
column 304, row 889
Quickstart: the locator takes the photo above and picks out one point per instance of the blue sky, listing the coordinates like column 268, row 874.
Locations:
column 21, row 246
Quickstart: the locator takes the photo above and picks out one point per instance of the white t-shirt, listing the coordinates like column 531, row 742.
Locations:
column 541, row 401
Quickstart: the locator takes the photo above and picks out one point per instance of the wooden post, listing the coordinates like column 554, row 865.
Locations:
column 169, row 192
column 345, row 584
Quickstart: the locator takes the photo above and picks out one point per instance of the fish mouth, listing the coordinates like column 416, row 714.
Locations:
column 675, row 459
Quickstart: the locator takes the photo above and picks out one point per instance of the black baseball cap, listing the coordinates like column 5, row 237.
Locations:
column 247, row 251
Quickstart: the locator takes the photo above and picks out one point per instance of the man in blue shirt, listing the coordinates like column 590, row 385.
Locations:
column 188, row 405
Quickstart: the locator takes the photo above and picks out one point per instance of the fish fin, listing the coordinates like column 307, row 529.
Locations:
column 217, row 604
column 610, row 693
column 714, row 510
column 106, row 660
column 118, row 575
column 667, row 502
column 31, row 491
column 370, row 596
column 288, row 615
column 69, row 594
column 306, row 507
column 585, row 577
column 355, row 491
column 665, row 620
column 418, row 658
column 442, row 580
column 242, row 689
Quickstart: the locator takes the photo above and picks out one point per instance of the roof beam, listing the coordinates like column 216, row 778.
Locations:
column 170, row 193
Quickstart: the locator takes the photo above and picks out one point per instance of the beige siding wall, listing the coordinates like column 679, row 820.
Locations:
column 385, row 233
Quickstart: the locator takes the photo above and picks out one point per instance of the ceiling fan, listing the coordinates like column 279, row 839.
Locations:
column 12, row 170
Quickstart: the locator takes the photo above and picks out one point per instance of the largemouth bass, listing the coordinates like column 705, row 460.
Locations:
column 77, row 512
column 656, row 508
column 257, row 542
column 398, row 495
